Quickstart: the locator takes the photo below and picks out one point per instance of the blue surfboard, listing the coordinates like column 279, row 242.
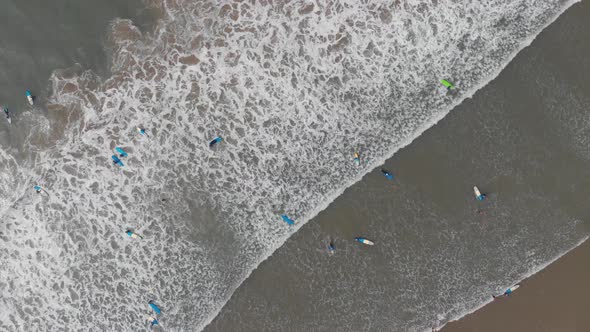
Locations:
column 287, row 220
column 215, row 141
column 117, row 160
column 154, row 307
column 121, row 152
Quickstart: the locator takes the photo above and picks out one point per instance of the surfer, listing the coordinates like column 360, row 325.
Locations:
column 117, row 161
column 38, row 189
column 30, row 97
column 388, row 175
column 133, row 235
column 507, row 292
column 331, row 247
column 216, row 140
column 7, row 114
column 153, row 321
column 447, row 84
column 478, row 195
column 364, row 241
column 142, row 131
column 121, row 152
column 287, row 219
column 357, row 158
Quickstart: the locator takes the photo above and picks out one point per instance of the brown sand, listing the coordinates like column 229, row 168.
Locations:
column 555, row 299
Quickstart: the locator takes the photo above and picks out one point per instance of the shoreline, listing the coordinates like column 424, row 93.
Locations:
column 553, row 299
column 382, row 161
column 431, row 206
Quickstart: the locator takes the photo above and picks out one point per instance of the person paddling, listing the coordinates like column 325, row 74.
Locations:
column 507, row 292
column 388, row 175
column 216, row 140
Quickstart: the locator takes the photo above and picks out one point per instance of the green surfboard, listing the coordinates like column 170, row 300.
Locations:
column 448, row 84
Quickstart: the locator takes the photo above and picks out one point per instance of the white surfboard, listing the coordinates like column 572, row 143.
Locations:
column 513, row 288
column 507, row 292
column 30, row 97
column 367, row 242
column 476, row 191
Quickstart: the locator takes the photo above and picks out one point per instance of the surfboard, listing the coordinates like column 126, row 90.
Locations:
column 513, row 288
column 287, row 220
column 478, row 194
column 141, row 131
column 121, row 152
column 215, row 141
column 364, row 241
column 117, row 160
column 508, row 291
column 357, row 158
column 447, row 84
column 134, row 235
column 29, row 97
column 155, row 308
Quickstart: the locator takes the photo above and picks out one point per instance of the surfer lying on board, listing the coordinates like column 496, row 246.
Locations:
column 507, row 292
column 388, row 175
column 133, row 235
column 153, row 321
column 30, row 97
column 478, row 195
column 447, row 84
column 38, row 189
column 117, row 161
column 215, row 141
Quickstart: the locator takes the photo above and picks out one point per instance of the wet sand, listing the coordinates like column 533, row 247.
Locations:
column 556, row 299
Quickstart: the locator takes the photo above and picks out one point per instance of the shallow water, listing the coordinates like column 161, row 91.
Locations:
column 294, row 89
column 439, row 253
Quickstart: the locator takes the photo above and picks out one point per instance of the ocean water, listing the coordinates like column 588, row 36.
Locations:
column 293, row 87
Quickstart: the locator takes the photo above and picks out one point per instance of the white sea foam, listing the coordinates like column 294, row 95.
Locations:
column 294, row 89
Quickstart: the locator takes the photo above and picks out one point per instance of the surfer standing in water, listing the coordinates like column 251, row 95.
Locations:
column 331, row 247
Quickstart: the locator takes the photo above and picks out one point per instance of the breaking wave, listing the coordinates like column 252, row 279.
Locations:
column 294, row 87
